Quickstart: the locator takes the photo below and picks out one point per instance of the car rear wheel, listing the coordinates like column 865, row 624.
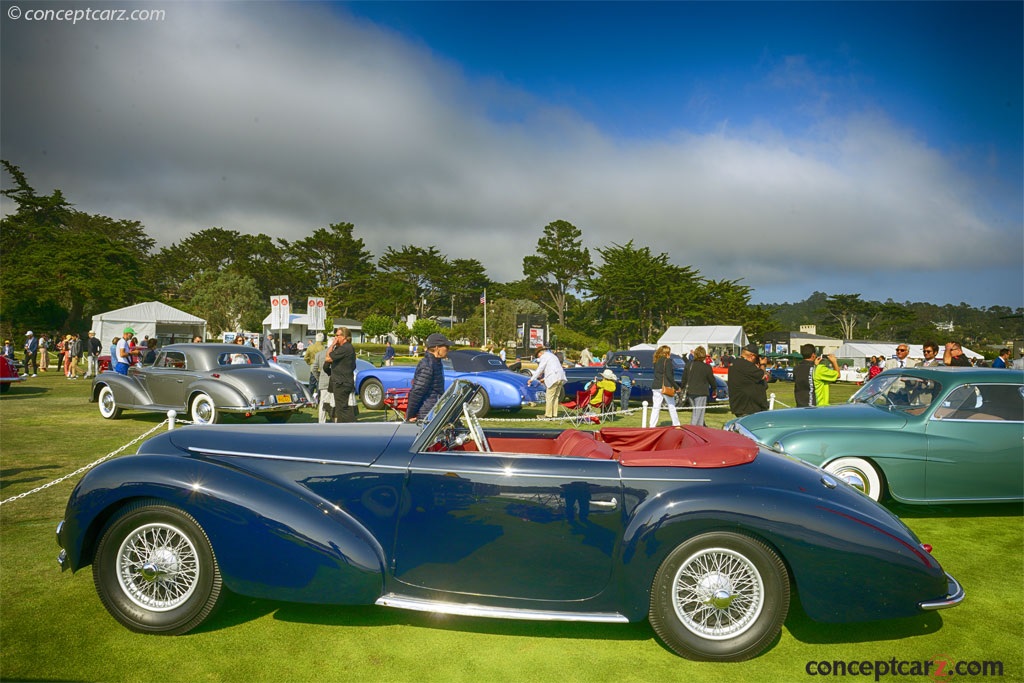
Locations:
column 155, row 570
column 372, row 394
column 480, row 405
column 860, row 474
column 108, row 404
column 203, row 410
column 721, row 597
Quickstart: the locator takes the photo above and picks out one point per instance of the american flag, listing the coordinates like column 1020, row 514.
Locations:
column 483, row 298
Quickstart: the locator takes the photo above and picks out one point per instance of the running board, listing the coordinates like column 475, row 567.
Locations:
column 468, row 610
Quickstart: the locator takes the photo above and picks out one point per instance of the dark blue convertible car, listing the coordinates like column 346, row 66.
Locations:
column 698, row 530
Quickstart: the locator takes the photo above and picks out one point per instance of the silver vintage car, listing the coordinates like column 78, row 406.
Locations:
column 202, row 381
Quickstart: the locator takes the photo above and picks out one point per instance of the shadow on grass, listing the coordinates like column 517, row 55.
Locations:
column 5, row 475
column 806, row 630
column 955, row 511
column 21, row 392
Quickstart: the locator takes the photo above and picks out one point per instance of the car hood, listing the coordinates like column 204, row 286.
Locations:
column 845, row 416
column 327, row 442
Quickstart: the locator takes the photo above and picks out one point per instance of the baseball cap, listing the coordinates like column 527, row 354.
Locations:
column 437, row 339
column 128, row 330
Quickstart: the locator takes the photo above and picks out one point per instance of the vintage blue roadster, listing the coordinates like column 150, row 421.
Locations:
column 697, row 530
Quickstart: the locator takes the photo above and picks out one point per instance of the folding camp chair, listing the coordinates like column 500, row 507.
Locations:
column 576, row 410
column 600, row 412
column 396, row 400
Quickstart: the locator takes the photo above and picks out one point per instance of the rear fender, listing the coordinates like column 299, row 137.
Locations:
column 223, row 394
column 271, row 539
column 827, row 544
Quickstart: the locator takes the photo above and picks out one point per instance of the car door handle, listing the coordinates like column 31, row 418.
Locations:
column 604, row 503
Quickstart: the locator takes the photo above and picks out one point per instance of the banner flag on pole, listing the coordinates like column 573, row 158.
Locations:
column 317, row 312
column 280, row 312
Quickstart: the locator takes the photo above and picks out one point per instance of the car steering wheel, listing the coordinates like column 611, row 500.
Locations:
column 476, row 432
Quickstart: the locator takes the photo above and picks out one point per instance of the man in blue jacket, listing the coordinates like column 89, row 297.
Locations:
column 428, row 380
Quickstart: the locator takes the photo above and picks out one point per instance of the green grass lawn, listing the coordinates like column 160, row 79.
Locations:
column 53, row 627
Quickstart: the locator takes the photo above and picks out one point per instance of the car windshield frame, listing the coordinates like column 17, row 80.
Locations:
column 445, row 414
column 894, row 391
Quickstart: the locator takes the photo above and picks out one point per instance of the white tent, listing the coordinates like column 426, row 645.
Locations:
column 644, row 347
column 714, row 338
column 149, row 319
column 861, row 351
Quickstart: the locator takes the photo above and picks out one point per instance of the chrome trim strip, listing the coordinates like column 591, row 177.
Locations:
column 510, row 473
column 674, row 480
column 267, row 456
column 470, row 610
column 953, row 598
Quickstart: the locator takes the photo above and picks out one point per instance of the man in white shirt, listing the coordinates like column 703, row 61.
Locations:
column 549, row 371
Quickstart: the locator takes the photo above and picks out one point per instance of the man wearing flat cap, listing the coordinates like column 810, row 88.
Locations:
column 428, row 380
column 748, row 384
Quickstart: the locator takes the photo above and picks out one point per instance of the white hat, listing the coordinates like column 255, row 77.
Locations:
column 319, row 336
column 29, row 333
column 608, row 374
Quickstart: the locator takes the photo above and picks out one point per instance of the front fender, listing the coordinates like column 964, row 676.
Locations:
column 900, row 456
column 271, row 540
column 127, row 392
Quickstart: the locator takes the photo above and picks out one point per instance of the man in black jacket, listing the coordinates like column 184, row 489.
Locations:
column 343, row 368
column 803, row 377
column 428, row 380
column 748, row 384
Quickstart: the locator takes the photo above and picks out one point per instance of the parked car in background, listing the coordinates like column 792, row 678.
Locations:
column 8, row 374
column 697, row 530
column 501, row 388
column 297, row 367
column 920, row 435
column 203, row 381
column 639, row 365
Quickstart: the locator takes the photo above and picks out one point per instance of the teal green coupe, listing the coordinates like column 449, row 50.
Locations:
column 920, row 435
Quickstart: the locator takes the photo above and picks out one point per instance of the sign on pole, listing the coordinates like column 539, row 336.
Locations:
column 317, row 312
column 280, row 312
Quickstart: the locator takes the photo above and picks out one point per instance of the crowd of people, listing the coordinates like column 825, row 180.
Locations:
column 333, row 371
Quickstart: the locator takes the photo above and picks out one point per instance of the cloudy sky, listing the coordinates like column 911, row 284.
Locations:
column 871, row 148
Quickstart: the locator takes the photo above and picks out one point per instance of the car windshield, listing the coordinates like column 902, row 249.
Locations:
column 445, row 416
column 898, row 391
column 241, row 357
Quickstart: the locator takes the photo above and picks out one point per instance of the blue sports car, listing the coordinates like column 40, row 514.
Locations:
column 699, row 531
column 501, row 388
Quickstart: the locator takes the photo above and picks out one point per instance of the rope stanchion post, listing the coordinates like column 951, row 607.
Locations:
column 643, row 414
column 771, row 401
column 171, row 416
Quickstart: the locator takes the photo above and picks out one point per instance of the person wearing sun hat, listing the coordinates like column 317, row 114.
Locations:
column 124, row 352
column 606, row 384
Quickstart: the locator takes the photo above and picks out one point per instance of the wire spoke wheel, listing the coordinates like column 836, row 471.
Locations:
column 720, row 596
column 157, row 567
column 718, row 593
column 155, row 570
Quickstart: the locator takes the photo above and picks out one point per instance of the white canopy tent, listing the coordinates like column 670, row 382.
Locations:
column 714, row 338
column 150, row 319
column 644, row 347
